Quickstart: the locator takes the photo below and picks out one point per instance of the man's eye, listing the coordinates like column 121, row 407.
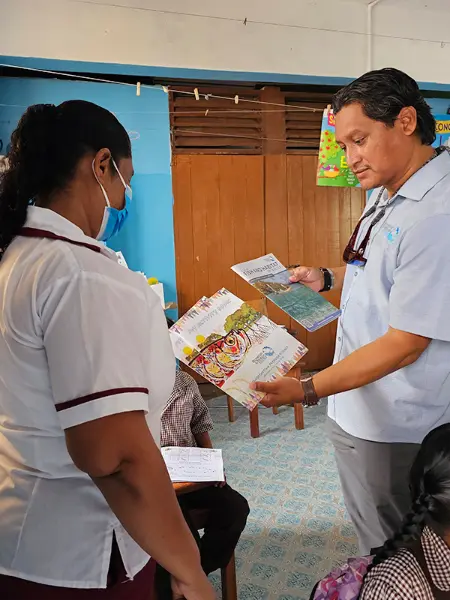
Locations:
column 359, row 141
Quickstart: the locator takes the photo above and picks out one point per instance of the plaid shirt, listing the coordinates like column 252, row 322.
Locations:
column 186, row 414
column 401, row 577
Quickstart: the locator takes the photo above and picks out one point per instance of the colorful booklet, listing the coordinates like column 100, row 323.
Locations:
column 271, row 278
column 231, row 344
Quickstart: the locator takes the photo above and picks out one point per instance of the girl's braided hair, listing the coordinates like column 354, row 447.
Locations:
column 430, row 490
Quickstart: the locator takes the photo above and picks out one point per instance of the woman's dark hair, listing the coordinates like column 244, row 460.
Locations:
column 45, row 150
column 430, row 490
column 382, row 95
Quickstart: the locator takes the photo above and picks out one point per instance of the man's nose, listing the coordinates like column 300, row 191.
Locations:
column 353, row 159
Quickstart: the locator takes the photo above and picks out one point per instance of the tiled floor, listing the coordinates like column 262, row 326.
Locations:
column 298, row 528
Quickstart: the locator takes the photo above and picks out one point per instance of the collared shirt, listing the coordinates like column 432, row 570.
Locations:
column 402, row 578
column 405, row 285
column 186, row 414
column 81, row 337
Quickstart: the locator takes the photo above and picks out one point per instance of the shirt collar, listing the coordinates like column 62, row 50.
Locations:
column 426, row 178
column 44, row 219
column 437, row 556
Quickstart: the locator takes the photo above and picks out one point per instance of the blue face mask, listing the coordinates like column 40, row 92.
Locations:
column 113, row 219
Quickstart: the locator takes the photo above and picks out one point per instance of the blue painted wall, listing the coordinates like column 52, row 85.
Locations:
column 147, row 240
column 439, row 106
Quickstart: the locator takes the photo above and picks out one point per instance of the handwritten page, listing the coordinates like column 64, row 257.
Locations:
column 193, row 464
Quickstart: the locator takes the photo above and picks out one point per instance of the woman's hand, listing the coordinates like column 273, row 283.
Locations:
column 199, row 589
column 282, row 391
column 309, row 276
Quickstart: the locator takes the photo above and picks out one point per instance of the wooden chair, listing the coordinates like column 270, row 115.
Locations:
column 228, row 574
column 261, row 306
column 198, row 517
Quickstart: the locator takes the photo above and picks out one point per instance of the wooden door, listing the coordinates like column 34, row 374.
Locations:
column 229, row 209
column 218, row 220
column 320, row 223
column 244, row 178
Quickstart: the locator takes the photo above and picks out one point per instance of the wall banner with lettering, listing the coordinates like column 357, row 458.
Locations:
column 442, row 131
column 332, row 169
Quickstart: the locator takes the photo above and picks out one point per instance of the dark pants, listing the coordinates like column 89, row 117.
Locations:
column 226, row 519
column 374, row 478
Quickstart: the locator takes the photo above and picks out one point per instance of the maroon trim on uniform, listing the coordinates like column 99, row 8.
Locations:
column 31, row 232
column 140, row 588
column 97, row 395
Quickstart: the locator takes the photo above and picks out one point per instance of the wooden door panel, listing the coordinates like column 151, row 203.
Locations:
column 219, row 200
column 321, row 221
column 232, row 208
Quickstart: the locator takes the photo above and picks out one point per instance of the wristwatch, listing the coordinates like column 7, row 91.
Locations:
column 328, row 279
column 309, row 391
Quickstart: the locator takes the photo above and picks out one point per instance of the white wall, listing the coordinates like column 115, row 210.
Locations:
column 308, row 37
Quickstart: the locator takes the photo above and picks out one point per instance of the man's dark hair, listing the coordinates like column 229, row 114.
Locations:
column 382, row 95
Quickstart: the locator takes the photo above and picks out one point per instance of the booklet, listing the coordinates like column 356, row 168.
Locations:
column 193, row 464
column 231, row 344
column 271, row 278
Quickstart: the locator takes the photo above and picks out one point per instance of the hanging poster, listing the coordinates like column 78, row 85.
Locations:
column 332, row 169
column 442, row 131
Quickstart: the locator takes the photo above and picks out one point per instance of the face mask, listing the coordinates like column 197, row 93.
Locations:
column 113, row 219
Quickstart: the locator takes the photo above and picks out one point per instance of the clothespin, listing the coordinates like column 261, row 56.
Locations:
column 196, row 94
column 206, row 112
column 138, row 88
column 328, row 108
column 236, row 99
column 165, row 89
column 207, row 96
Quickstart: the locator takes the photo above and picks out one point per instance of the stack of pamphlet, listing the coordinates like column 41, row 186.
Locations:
column 230, row 344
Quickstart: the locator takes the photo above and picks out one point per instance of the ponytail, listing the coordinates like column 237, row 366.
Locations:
column 25, row 172
column 45, row 151
column 411, row 529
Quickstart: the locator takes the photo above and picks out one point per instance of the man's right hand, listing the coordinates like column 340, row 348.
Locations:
column 309, row 276
column 198, row 589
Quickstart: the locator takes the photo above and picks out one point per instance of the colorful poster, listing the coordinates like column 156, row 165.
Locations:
column 332, row 169
column 271, row 278
column 442, row 131
column 231, row 344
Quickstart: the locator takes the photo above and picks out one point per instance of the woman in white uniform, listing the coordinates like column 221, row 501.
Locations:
column 86, row 369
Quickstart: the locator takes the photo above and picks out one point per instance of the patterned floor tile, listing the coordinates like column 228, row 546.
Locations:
column 298, row 529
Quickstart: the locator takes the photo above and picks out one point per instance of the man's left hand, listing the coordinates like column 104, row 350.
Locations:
column 282, row 391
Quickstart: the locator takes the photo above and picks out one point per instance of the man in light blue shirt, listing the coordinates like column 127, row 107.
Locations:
column 389, row 385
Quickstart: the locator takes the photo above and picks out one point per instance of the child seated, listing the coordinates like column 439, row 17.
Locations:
column 186, row 422
column 415, row 563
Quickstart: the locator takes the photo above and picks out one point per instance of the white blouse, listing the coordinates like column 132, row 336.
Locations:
column 81, row 337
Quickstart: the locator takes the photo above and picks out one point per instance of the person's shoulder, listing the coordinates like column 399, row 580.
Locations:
column 184, row 380
column 400, row 572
